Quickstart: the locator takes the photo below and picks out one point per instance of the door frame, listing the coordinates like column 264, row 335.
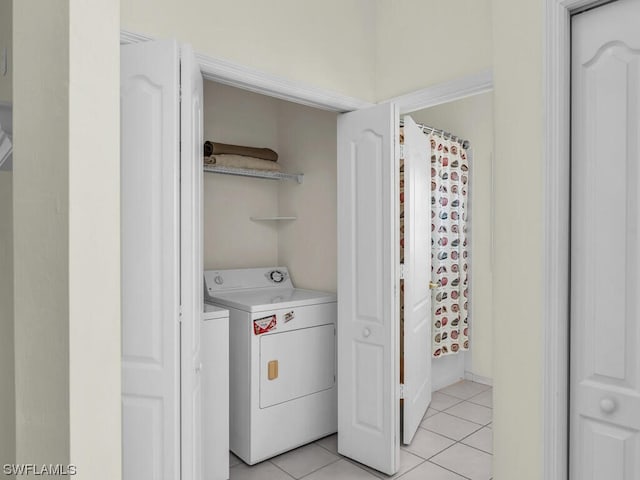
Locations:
column 556, row 181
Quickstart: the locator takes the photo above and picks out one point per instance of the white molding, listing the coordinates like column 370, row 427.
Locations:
column 555, row 287
column 247, row 78
column 555, row 321
column 456, row 89
column 127, row 37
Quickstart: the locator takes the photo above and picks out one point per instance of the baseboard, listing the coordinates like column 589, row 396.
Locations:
column 478, row 378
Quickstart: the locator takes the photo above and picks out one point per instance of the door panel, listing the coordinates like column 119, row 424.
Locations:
column 368, row 256
column 417, row 274
column 605, row 328
column 150, row 261
column 191, row 261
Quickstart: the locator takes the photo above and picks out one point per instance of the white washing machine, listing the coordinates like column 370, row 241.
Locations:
column 282, row 360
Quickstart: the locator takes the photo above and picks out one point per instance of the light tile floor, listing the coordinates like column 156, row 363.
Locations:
column 454, row 442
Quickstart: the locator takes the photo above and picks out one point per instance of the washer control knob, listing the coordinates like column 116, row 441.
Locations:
column 608, row 405
column 366, row 332
column 219, row 280
column 277, row 276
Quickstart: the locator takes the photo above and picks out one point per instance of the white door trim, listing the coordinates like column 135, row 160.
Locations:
column 240, row 76
column 445, row 92
column 555, row 319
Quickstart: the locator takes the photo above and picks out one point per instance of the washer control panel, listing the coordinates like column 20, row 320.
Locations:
column 245, row 278
column 277, row 276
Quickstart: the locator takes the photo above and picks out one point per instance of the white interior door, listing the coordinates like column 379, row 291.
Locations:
column 191, row 277
column 417, row 274
column 605, row 246
column 150, row 219
column 368, row 277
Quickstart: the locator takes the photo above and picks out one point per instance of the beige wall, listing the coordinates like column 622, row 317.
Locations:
column 421, row 43
column 94, row 239
column 305, row 139
column 231, row 239
column 41, row 220
column 308, row 245
column 6, row 41
column 66, row 235
column 328, row 44
column 7, row 392
column 518, row 356
column 472, row 118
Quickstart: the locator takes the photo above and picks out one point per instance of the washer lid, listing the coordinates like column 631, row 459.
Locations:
column 263, row 299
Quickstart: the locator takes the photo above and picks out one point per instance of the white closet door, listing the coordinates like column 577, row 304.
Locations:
column 417, row 274
column 605, row 246
column 150, row 222
column 191, row 262
column 368, row 258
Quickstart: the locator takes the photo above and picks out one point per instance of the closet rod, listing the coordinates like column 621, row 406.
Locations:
column 444, row 134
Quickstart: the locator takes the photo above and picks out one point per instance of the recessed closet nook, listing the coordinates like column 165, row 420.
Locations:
column 255, row 222
column 330, row 223
column 251, row 222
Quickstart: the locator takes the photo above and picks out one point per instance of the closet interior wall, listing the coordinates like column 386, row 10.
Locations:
column 305, row 139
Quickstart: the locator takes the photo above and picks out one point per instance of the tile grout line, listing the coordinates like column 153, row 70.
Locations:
column 470, row 421
column 462, row 418
column 467, row 436
column 471, row 446
column 447, row 448
column 330, row 451
column 283, row 470
column 340, row 457
column 415, row 466
column 449, row 470
column 330, row 463
column 479, row 404
column 363, row 467
column 481, row 425
column 453, row 444
column 449, row 438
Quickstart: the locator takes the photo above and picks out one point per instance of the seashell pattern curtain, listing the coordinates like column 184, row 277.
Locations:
column 449, row 246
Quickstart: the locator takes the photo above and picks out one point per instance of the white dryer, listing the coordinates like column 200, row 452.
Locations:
column 282, row 360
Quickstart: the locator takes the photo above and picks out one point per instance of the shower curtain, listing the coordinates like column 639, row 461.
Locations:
column 449, row 249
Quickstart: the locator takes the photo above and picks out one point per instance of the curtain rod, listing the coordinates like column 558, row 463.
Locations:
column 427, row 129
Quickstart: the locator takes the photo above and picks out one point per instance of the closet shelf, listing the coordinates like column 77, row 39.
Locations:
column 260, row 219
column 245, row 172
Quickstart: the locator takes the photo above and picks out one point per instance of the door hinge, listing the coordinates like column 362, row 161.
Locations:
column 180, row 314
column 401, row 391
column 402, row 271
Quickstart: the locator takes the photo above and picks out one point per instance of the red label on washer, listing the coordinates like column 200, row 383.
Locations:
column 264, row 325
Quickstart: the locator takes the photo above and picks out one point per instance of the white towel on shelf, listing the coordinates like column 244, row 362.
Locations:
column 241, row 161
